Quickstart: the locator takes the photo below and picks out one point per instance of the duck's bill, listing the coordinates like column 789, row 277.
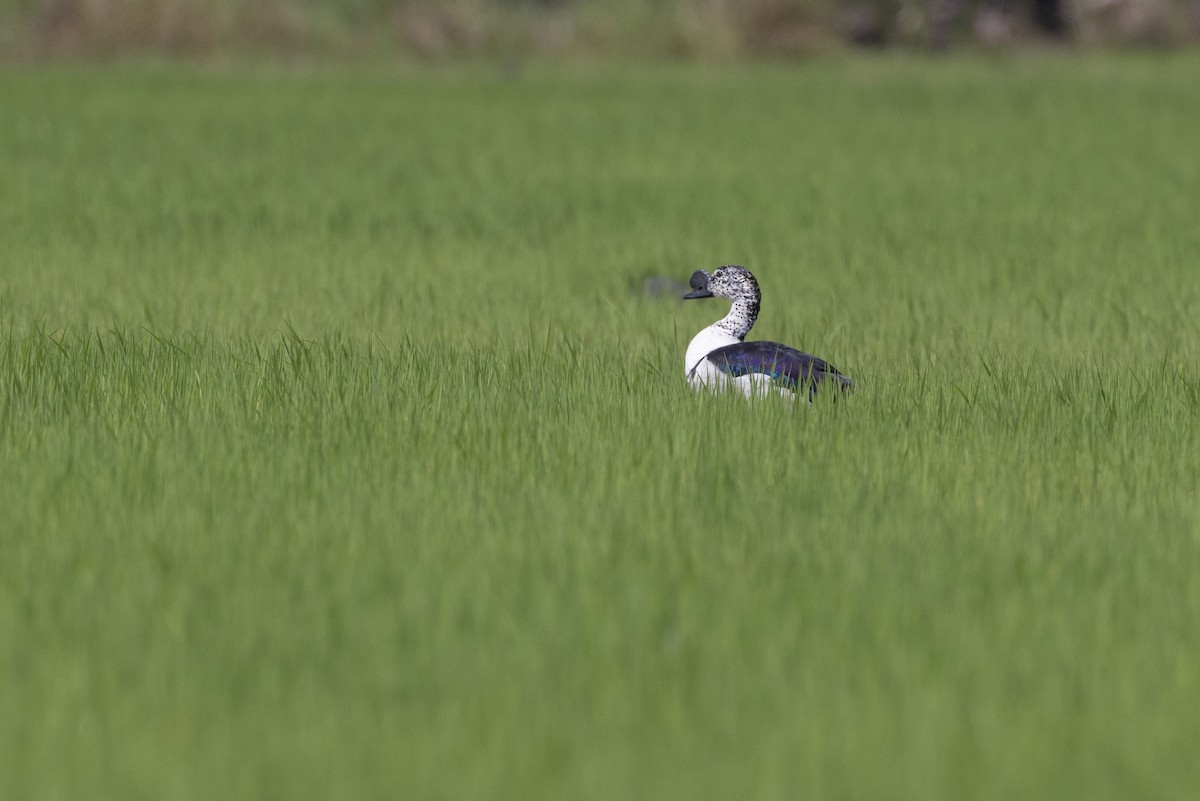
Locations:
column 699, row 284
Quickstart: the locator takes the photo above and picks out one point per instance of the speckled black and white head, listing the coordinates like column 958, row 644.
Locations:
column 733, row 283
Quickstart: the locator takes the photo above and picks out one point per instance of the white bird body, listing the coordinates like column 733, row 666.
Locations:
column 720, row 358
column 698, row 370
column 703, row 374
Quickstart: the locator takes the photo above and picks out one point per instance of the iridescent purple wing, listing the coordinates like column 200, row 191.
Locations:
column 784, row 365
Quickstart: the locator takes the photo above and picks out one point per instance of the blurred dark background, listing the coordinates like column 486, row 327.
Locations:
column 684, row 29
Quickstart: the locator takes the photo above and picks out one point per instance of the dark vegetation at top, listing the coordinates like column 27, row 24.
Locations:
column 686, row 29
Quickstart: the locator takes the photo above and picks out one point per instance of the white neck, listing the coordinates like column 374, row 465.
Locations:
column 740, row 319
column 729, row 330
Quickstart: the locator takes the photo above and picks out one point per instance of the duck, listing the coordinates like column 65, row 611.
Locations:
column 719, row 357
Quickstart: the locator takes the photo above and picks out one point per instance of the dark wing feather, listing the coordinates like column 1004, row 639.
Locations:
column 784, row 365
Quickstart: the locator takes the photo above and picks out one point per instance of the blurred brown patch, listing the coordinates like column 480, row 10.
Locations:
column 438, row 29
column 106, row 26
column 782, row 28
column 273, row 25
column 1144, row 22
column 864, row 24
column 994, row 28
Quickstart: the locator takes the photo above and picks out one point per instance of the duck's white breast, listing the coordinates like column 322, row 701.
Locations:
column 699, row 371
column 703, row 374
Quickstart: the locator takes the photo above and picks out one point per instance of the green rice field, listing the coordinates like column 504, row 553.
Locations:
column 346, row 453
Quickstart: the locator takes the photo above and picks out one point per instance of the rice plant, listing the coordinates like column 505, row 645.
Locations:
column 344, row 452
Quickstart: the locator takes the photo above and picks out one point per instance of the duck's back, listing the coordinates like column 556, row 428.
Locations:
column 782, row 364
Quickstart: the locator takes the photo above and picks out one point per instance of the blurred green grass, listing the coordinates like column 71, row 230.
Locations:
column 344, row 455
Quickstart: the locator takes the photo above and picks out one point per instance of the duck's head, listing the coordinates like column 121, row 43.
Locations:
column 730, row 282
